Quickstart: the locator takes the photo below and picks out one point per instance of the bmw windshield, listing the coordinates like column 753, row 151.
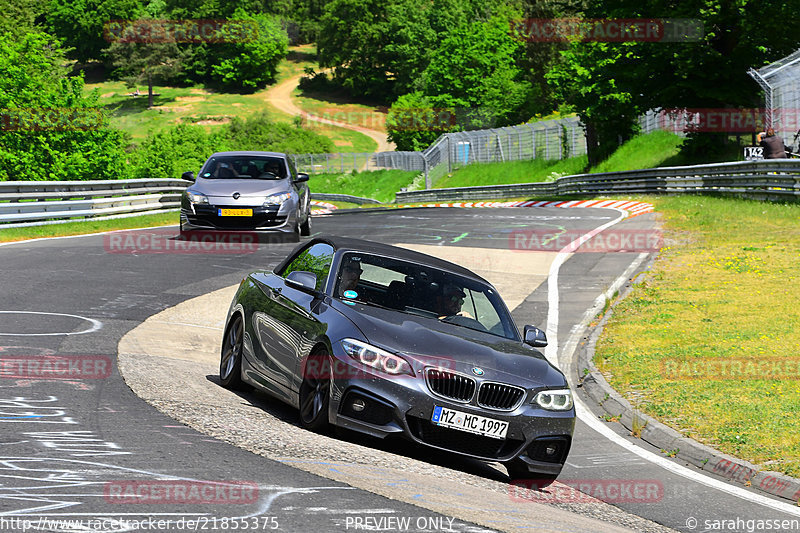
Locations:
column 423, row 291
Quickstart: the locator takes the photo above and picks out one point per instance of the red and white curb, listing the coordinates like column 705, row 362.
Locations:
column 633, row 208
column 325, row 207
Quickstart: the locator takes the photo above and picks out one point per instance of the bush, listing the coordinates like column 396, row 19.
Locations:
column 248, row 63
column 171, row 152
column 261, row 133
column 413, row 124
column 49, row 130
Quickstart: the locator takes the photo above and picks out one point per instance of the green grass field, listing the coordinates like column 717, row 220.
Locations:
column 533, row 171
column 721, row 300
column 204, row 108
column 88, row 226
column 379, row 185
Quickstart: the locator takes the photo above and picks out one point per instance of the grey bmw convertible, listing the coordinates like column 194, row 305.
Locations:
column 386, row 341
column 247, row 191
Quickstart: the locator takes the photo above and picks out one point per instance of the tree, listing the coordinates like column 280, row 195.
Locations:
column 49, row 129
column 475, row 70
column 413, row 124
column 379, row 48
column 252, row 61
column 351, row 42
column 705, row 72
column 592, row 78
column 82, row 24
column 139, row 60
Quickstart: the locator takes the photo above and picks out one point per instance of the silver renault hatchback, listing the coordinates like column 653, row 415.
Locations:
column 247, row 191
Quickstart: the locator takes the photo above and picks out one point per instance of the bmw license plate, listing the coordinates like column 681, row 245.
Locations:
column 234, row 212
column 480, row 425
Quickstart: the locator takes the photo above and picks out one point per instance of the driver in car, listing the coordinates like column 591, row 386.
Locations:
column 349, row 275
column 449, row 302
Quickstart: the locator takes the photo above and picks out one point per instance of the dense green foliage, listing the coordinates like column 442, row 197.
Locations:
column 413, row 124
column 221, row 59
column 245, row 64
column 82, row 24
column 472, row 81
column 380, row 48
column 442, row 65
column 50, row 131
column 169, row 153
column 610, row 84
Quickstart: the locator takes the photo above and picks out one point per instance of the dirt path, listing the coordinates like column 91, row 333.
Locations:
column 280, row 96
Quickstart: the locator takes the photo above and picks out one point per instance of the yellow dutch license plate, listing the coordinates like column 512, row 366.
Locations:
column 235, row 212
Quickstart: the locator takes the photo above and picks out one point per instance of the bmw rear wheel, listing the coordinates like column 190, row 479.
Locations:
column 315, row 391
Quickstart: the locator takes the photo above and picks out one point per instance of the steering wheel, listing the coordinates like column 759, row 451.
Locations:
column 465, row 321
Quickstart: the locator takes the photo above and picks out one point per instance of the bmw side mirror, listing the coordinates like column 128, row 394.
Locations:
column 301, row 177
column 535, row 337
column 302, row 280
column 188, row 175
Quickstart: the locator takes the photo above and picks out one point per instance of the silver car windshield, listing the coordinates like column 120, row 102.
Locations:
column 244, row 167
column 423, row 291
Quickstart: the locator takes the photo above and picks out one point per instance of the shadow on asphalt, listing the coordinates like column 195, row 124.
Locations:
column 395, row 445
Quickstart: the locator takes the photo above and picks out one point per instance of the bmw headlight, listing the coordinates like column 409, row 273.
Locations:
column 277, row 199
column 196, row 197
column 554, row 400
column 376, row 358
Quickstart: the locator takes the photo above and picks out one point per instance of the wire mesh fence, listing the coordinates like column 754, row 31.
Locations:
column 781, row 84
column 549, row 139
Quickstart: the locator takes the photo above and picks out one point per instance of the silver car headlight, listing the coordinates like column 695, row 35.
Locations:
column 376, row 358
column 554, row 400
column 277, row 199
column 196, row 197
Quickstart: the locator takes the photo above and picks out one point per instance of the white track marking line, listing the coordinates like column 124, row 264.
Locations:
column 586, row 416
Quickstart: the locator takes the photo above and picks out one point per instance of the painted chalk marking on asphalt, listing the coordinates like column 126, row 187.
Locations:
column 585, row 415
column 95, row 324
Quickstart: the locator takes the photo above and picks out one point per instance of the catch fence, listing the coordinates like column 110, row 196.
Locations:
column 781, row 84
column 549, row 139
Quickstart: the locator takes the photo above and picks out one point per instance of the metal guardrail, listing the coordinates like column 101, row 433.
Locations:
column 769, row 179
column 343, row 198
column 27, row 203
column 31, row 203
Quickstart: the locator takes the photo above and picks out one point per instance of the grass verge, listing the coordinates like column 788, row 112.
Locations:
column 89, row 226
column 536, row 170
column 656, row 149
column 378, row 184
column 708, row 343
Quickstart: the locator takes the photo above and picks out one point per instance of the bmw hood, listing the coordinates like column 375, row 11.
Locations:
column 429, row 342
column 245, row 187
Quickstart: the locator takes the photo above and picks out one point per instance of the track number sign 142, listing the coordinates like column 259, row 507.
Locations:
column 752, row 153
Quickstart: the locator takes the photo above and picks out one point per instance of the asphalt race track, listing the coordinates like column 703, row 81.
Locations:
column 75, row 449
